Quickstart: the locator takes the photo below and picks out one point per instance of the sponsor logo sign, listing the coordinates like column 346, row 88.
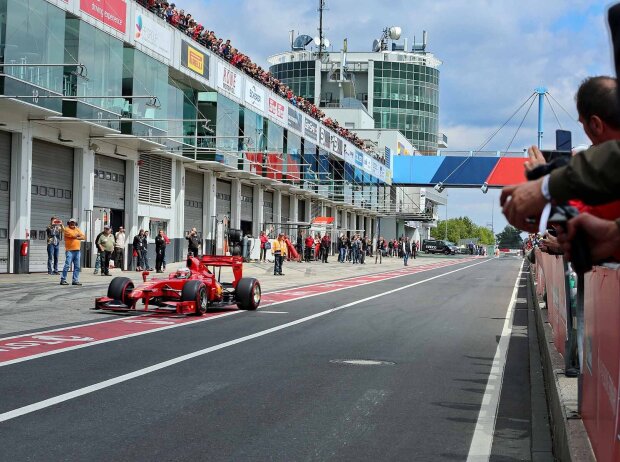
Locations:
column 310, row 129
column 336, row 145
column 254, row 96
column 294, row 119
column 359, row 159
column 194, row 60
column 276, row 109
column 152, row 35
column 349, row 154
column 367, row 164
column 375, row 169
column 229, row 80
column 325, row 137
column 112, row 13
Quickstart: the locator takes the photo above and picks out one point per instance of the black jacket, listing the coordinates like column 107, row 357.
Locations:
column 160, row 243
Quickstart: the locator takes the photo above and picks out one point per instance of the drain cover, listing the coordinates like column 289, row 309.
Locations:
column 362, row 362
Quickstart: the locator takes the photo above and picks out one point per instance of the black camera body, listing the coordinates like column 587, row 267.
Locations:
column 580, row 252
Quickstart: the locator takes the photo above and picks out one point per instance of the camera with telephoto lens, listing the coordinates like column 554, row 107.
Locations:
column 581, row 258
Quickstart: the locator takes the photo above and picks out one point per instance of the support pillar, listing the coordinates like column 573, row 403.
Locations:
column 294, row 208
column 209, row 212
column 83, row 200
column 20, row 208
column 235, row 204
column 132, row 223
column 277, row 209
column 308, row 210
column 258, row 208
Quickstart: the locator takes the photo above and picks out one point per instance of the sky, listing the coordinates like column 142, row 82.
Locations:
column 494, row 54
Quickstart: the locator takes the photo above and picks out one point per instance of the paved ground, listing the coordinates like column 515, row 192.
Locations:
column 37, row 301
column 278, row 384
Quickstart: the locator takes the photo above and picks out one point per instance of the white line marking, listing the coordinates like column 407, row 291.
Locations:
column 272, row 312
column 482, row 441
column 156, row 367
column 189, row 323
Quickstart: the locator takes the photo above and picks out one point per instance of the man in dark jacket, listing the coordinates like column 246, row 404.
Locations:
column 137, row 249
column 160, row 250
column 325, row 244
column 193, row 242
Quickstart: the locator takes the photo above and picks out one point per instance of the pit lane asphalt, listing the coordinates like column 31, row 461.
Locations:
column 278, row 397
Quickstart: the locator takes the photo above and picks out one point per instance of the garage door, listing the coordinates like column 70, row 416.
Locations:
column 267, row 209
column 222, row 202
column 52, row 194
column 109, row 182
column 286, row 208
column 5, row 175
column 194, row 184
column 247, row 202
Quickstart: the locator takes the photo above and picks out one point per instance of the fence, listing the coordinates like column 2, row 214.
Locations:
column 586, row 332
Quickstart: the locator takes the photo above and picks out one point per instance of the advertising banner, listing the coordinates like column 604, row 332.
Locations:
column 112, row 13
column 152, row 33
column 367, row 163
column 228, row 80
column 276, row 109
column 336, row 145
column 255, row 96
column 349, row 153
column 294, row 119
column 359, row 159
column 325, row 138
column 375, row 169
column 310, row 129
column 194, row 59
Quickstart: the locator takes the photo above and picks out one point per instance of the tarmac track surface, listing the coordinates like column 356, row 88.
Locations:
column 272, row 385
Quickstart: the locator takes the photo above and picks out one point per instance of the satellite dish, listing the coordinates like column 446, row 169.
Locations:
column 395, row 32
column 376, row 45
column 326, row 43
column 317, row 41
column 301, row 42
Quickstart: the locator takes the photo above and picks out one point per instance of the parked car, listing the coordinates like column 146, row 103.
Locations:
column 439, row 246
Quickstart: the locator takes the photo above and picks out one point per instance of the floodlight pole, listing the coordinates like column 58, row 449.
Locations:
column 542, row 91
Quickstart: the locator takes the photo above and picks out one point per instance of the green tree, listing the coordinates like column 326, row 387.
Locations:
column 510, row 238
column 462, row 228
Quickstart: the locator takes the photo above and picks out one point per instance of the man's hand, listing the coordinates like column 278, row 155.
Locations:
column 602, row 236
column 523, row 204
column 535, row 158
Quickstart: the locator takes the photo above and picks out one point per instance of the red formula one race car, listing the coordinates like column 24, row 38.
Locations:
column 190, row 290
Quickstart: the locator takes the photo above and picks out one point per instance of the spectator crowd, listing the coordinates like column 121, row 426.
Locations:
column 183, row 21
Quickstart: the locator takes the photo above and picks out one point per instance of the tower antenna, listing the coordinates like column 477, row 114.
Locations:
column 321, row 9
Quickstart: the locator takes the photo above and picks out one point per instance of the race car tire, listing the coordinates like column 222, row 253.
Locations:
column 119, row 289
column 248, row 294
column 235, row 235
column 196, row 291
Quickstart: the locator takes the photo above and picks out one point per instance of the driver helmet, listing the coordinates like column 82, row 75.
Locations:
column 183, row 273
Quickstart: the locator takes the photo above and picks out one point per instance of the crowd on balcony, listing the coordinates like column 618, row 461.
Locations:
column 188, row 25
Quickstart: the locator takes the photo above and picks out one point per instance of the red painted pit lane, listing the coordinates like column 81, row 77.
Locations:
column 31, row 346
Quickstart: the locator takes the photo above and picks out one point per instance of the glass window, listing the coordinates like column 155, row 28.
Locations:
column 42, row 191
column 51, row 192
column 227, row 128
column 34, row 190
column 275, row 137
column 34, row 33
column 252, row 131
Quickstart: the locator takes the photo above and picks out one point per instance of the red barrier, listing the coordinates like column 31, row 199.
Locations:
column 601, row 369
column 555, row 285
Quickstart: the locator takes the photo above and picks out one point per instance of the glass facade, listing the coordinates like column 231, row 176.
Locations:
column 103, row 57
column 298, row 76
column 32, row 32
column 406, row 97
column 227, row 129
column 251, row 131
column 182, row 109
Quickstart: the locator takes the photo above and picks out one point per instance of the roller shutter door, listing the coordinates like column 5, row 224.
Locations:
column 222, row 202
column 109, row 182
column 52, row 194
column 247, row 202
column 286, row 208
column 5, row 181
column 268, row 207
column 155, row 180
column 194, row 187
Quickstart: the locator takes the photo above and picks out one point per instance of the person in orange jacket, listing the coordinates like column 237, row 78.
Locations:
column 73, row 236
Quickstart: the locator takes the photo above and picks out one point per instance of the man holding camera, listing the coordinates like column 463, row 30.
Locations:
column 53, row 244
column 193, row 242
column 588, row 176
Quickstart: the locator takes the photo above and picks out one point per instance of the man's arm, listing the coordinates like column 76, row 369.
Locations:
column 592, row 176
column 602, row 236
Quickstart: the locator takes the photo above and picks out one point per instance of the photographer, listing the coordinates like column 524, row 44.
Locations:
column 193, row 242
column 53, row 234
column 599, row 113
